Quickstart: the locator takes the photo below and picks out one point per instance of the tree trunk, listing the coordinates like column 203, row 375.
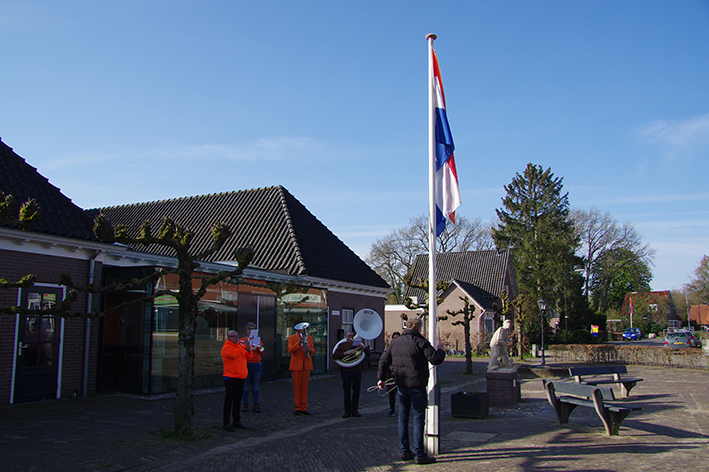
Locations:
column 468, row 346
column 184, row 407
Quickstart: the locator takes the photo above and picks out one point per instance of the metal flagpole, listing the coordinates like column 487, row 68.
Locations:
column 434, row 401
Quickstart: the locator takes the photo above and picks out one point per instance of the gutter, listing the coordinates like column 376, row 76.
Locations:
column 87, row 328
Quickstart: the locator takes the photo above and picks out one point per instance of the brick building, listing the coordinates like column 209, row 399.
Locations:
column 45, row 357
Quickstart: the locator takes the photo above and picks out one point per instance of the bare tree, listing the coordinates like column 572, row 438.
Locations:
column 600, row 233
column 393, row 256
column 698, row 287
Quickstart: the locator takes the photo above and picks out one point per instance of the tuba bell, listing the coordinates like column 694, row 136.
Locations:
column 301, row 329
column 368, row 325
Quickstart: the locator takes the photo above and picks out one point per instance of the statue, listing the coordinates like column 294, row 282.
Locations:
column 498, row 347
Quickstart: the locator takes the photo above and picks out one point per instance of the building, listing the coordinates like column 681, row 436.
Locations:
column 699, row 314
column 317, row 278
column 479, row 276
column 643, row 308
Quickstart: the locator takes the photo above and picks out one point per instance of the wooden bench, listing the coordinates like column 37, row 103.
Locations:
column 626, row 384
column 599, row 398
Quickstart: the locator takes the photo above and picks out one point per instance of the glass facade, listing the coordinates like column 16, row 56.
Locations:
column 139, row 353
column 295, row 307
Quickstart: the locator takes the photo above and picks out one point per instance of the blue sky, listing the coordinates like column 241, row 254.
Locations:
column 119, row 102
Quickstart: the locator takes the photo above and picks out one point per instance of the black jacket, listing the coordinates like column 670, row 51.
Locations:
column 407, row 357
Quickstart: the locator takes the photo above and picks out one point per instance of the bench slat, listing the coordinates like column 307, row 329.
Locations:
column 626, row 384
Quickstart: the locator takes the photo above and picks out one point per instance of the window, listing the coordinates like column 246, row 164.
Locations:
column 347, row 319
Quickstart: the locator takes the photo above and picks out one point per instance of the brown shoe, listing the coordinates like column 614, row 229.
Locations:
column 257, row 408
column 245, row 407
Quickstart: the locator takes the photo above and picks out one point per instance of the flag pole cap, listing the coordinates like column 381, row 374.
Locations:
column 431, row 36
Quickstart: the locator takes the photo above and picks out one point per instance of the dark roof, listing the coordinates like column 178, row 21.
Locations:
column 286, row 237
column 59, row 216
column 483, row 269
column 484, row 299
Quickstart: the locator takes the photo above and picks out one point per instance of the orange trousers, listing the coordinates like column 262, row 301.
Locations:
column 300, row 388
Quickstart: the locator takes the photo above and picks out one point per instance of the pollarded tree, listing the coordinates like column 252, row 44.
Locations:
column 179, row 239
column 468, row 315
column 534, row 222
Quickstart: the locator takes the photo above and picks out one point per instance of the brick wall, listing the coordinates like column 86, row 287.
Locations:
column 503, row 389
column 47, row 269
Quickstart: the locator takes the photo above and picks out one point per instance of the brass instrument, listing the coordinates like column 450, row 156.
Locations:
column 368, row 325
column 301, row 329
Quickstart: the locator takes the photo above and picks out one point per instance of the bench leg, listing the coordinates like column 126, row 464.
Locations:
column 626, row 387
column 611, row 419
column 616, row 418
column 562, row 410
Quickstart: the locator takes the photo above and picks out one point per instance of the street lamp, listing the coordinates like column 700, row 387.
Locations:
column 542, row 309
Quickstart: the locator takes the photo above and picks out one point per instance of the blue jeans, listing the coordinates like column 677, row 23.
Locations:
column 414, row 399
column 253, row 379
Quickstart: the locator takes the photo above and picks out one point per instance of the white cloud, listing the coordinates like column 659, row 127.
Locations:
column 680, row 138
column 272, row 149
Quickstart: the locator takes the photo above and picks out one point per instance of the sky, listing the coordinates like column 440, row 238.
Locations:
column 126, row 101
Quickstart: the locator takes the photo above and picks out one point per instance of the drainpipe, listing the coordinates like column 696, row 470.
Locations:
column 87, row 328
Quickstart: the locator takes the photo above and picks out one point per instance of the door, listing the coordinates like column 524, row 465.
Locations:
column 261, row 310
column 37, row 346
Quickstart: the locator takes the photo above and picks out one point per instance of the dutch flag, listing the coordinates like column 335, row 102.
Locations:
column 447, row 194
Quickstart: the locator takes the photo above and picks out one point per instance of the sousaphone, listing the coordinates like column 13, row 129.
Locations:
column 368, row 325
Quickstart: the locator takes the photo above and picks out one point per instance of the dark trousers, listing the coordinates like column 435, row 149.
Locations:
column 232, row 400
column 412, row 404
column 351, row 382
column 392, row 399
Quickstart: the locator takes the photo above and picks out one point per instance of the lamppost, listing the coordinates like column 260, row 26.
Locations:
column 542, row 310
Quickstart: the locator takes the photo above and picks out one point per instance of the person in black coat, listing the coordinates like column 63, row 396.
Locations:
column 407, row 358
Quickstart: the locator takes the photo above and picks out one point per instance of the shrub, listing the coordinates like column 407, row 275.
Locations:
column 581, row 336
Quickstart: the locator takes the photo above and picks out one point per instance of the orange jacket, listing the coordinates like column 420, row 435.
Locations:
column 234, row 357
column 298, row 361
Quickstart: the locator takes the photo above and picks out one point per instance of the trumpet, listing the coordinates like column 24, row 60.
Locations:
column 301, row 328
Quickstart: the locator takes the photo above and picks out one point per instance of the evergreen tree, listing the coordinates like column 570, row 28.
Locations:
column 534, row 222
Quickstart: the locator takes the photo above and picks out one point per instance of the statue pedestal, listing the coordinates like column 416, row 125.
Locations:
column 503, row 388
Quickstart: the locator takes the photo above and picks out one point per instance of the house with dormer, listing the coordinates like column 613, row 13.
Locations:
column 479, row 276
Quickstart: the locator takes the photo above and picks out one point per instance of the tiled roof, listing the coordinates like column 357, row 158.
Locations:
column 660, row 297
column 483, row 269
column 286, row 237
column 59, row 216
column 699, row 314
column 485, row 301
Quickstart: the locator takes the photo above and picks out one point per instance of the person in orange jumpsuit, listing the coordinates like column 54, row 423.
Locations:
column 301, row 363
column 234, row 356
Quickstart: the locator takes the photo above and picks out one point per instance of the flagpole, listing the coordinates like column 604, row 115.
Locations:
column 433, row 409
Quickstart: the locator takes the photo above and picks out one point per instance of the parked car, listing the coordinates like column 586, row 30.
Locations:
column 632, row 334
column 680, row 339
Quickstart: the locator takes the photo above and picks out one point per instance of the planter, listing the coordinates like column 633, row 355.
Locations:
column 470, row 405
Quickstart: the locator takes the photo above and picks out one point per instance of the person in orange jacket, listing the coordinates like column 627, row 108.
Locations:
column 234, row 357
column 301, row 363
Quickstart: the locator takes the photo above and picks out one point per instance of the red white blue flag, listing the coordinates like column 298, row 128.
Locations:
column 447, row 194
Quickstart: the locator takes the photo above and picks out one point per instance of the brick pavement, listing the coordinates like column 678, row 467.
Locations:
column 110, row 433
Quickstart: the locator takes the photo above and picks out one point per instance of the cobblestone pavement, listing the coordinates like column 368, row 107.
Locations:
column 112, row 433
